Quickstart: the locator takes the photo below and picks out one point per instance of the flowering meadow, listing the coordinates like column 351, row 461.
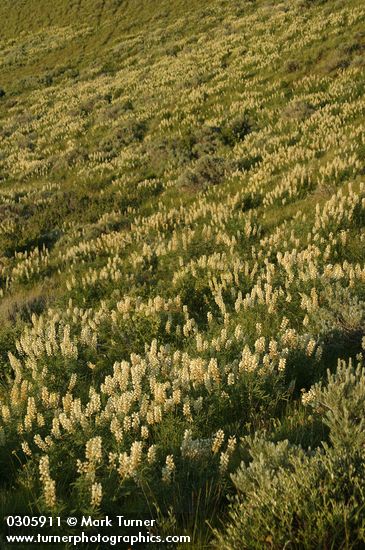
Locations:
column 182, row 277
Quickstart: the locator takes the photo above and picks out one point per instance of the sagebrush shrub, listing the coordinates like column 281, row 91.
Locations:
column 207, row 170
column 290, row 497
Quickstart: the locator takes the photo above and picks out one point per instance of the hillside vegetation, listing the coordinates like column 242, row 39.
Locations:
column 182, row 212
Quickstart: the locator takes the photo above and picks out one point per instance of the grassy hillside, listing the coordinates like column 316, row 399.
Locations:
column 182, row 267
column 117, row 15
column 84, row 33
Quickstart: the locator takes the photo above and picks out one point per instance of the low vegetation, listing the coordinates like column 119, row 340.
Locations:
column 182, row 267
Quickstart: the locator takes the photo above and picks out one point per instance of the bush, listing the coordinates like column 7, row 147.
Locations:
column 206, row 140
column 237, row 129
column 126, row 133
column 299, row 110
column 288, row 497
column 207, row 170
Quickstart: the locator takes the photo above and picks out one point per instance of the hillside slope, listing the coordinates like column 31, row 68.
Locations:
column 181, row 260
column 35, row 15
column 83, row 33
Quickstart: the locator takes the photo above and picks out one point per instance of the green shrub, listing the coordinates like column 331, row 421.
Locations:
column 237, row 129
column 207, row 139
column 288, row 497
column 207, row 170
